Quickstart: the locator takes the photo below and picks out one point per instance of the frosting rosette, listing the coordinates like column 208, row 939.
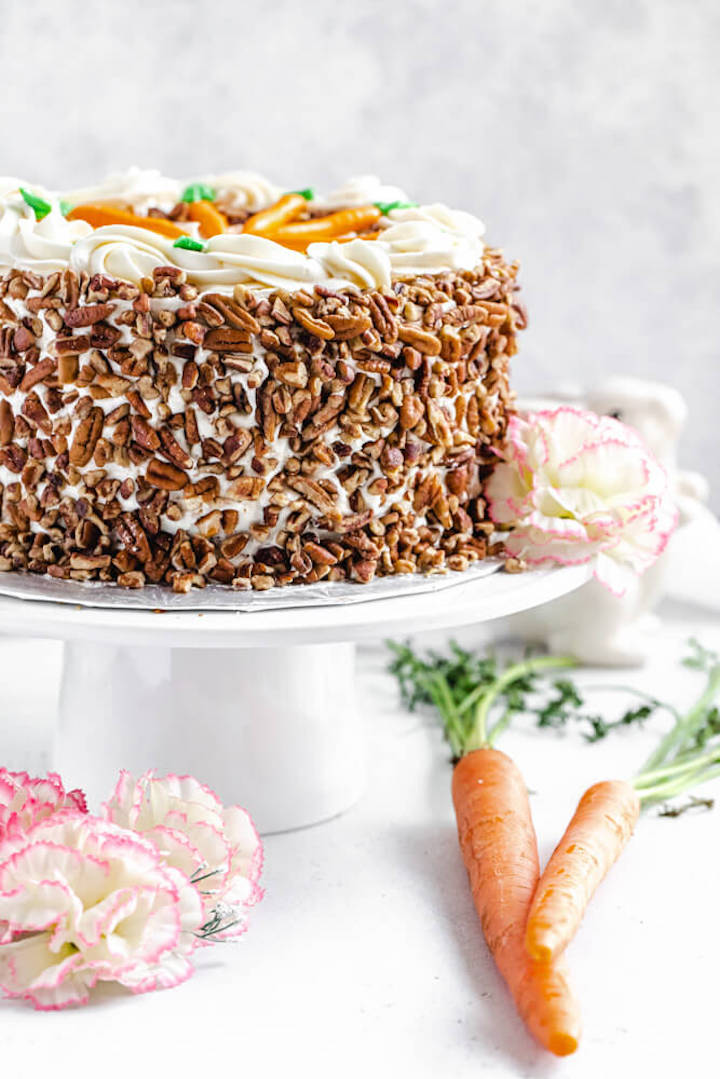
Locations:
column 215, row 846
column 84, row 901
column 25, row 800
column 574, row 487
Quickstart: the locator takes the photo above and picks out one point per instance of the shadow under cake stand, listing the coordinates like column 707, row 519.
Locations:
column 260, row 705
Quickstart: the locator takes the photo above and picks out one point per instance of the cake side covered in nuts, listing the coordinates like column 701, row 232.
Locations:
column 218, row 381
column 159, row 433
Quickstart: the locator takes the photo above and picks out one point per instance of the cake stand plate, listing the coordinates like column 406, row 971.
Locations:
column 258, row 705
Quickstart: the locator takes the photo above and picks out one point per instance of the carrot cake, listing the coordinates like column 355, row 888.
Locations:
column 220, row 380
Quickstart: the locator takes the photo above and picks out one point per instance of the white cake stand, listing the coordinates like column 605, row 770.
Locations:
column 260, row 706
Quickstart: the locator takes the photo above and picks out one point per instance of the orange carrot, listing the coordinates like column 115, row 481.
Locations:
column 363, row 236
column 499, row 849
column 302, row 233
column 285, row 209
column 98, row 216
column 595, row 837
column 208, row 217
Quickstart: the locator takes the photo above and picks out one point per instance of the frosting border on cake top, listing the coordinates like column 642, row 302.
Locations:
column 412, row 240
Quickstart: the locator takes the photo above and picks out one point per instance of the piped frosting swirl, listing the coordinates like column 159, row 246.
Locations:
column 411, row 240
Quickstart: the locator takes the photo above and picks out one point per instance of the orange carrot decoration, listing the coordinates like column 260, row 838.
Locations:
column 595, row 837
column 208, row 217
column 500, row 853
column 302, row 233
column 354, row 236
column 285, row 209
column 99, row 216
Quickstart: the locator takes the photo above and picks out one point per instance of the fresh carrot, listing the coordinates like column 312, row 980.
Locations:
column 285, row 209
column 500, row 853
column 495, row 830
column 99, row 216
column 606, row 816
column 594, row 839
column 208, row 217
column 302, row 233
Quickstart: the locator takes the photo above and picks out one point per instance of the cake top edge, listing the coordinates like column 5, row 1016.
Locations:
column 234, row 228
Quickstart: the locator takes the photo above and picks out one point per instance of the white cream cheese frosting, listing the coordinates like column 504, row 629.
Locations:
column 26, row 243
column 413, row 239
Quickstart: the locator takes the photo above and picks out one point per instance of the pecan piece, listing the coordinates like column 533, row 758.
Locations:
column 14, row 458
column 235, row 446
column 34, row 409
column 37, row 374
column 166, row 476
column 7, row 423
column 131, row 579
column 138, row 404
column 191, row 428
column 292, row 374
column 228, row 339
column 68, row 366
column 246, row 487
column 411, row 412
column 23, row 339
column 81, row 343
column 132, row 536
column 316, row 495
column 438, row 425
column 320, row 554
column 233, row 545
column 114, row 384
column 88, row 316
column 172, row 449
column 420, row 339
column 145, row 435
column 86, row 436
column 315, row 326
column 233, row 313
column 347, row 326
column 92, row 561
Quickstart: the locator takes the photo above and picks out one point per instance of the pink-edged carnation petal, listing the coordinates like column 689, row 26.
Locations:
column 25, row 800
column 575, row 488
column 84, row 900
column 216, row 846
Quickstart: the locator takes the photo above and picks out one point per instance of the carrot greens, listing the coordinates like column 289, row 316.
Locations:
column 466, row 688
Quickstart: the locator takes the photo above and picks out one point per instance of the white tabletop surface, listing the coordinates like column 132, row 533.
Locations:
column 366, row 959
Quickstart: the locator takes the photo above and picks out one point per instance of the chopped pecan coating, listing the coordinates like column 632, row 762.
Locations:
column 172, row 436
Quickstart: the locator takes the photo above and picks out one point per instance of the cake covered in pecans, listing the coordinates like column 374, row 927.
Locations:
column 225, row 382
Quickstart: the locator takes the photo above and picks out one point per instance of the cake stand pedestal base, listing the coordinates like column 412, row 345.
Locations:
column 259, row 705
column 277, row 727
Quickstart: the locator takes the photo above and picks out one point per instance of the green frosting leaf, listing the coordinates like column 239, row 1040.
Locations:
column 40, row 206
column 188, row 244
column 65, row 207
column 198, row 193
column 307, row 193
column 386, row 207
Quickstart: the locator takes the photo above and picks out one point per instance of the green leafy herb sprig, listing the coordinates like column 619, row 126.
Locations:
column 463, row 687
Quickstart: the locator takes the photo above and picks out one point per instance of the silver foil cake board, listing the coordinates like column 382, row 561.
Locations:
column 46, row 589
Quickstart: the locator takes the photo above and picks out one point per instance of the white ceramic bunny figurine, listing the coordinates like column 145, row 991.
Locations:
column 591, row 623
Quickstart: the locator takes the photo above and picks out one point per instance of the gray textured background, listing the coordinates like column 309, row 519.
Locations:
column 586, row 135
